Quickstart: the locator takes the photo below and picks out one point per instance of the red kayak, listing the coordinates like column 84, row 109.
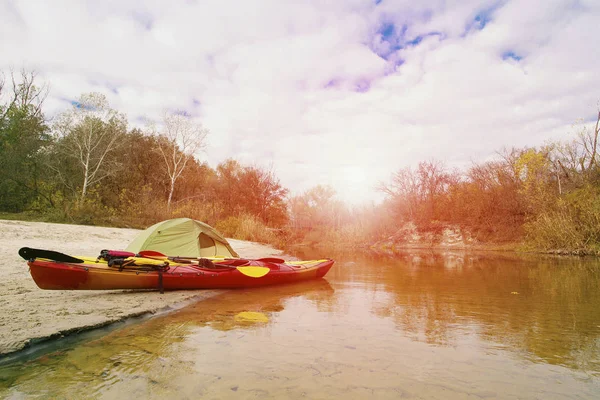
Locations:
column 57, row 271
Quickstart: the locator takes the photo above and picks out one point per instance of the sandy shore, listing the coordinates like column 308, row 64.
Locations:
column 30, row 314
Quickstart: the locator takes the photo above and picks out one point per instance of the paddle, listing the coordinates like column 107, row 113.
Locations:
column 251, row 271
column 152, row 253
column 30, row 254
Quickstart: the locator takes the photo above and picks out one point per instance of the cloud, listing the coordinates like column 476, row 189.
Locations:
column 342, row 93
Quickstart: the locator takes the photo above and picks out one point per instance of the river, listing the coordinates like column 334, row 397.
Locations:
column 425, row 325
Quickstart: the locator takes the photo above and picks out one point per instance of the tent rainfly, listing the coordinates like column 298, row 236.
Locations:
column 183, row 237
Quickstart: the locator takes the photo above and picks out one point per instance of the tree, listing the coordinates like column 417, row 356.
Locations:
column 267, row 201
column 433, row 181
column 23, row 137
column 228, row 189
column 404, row 192
column 89, row 133
column 315, row 208
column 536, row 180
column 25, row 94
column 589, row 140
column 417, row 195
column 142, row 175
column 251, row 190
column 179, row 140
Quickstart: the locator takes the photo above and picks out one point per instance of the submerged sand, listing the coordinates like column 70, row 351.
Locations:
column 30, row 314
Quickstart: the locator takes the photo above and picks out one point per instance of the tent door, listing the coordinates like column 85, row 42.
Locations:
column 207, row 245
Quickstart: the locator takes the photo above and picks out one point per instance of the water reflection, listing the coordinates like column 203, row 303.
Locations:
column 135, row 351
column 545, row 308
column 434, row 325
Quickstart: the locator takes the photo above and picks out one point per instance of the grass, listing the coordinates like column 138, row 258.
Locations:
column 24, row 216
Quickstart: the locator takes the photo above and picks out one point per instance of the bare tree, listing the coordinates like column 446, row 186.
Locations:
column 89, row 132
column 405, row 190
column 590, row 143
column 574, row 160
column 179, row 140
column 25, row 94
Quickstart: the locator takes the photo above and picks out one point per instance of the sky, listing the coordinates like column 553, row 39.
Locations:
column 340, row 93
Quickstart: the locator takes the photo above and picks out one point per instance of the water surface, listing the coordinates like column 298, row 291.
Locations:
column 422, row 325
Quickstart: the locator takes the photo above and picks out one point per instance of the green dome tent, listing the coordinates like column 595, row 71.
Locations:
column 182, row 237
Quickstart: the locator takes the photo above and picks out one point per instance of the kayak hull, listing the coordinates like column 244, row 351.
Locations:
column 92, row 275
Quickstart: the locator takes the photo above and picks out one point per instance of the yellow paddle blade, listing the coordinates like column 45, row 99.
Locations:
column 251, row 316
column 254, row 272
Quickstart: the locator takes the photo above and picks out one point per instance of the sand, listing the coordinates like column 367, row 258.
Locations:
column 30, row 315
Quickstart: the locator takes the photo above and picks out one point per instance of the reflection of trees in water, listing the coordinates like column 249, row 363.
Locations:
column 145, row 349
column 575, row 288
column 547, row 307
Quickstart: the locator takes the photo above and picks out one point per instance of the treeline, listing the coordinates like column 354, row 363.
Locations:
column 548, row 196
column 88, row 166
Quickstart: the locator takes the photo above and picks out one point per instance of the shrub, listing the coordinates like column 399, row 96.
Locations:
column 554, row 231
column 573, row 226
column 89, row 211
column 346, row 236
column 198, row 210
column 140, row 208
column 247, row 227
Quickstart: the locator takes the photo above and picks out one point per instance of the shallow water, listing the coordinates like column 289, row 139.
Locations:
column 422, row 325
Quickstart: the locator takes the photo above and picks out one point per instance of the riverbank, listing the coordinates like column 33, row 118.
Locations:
column 451, row 237
column 30, row 315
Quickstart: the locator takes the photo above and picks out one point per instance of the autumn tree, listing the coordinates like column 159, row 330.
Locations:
column 489, row 201
column 228, row 186
column 536, row 180
column 404, row 190
column 573, row 219
column 141, row 179
column 433, row 184
column 252, row 190
column 267, row 199
column 418, row 194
